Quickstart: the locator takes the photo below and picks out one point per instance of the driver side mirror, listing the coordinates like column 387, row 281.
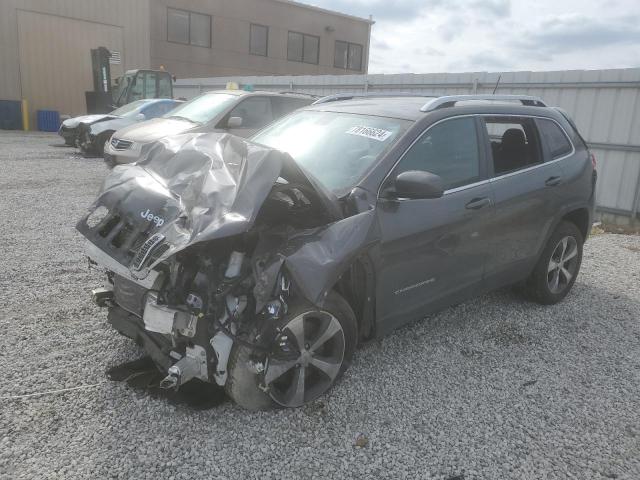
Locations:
column 234, row 122
column 417, row 184
column 141, row 117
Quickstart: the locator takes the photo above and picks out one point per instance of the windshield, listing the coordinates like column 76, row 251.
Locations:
column 129, row 108
column 337, row 148
column 204, row 108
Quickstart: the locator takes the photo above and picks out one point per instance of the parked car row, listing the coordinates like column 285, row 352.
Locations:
column 91, row 132
column 260, row 264
column 121, row 134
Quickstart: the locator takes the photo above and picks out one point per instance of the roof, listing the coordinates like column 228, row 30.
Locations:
column 406, row 108
column 409, row 107
column 324, row 10
column 241, row 93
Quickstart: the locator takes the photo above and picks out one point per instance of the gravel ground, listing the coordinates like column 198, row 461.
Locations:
column 496, row 388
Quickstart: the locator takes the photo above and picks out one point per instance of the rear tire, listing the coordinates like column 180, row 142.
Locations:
column 329, row 338
column 558, row 266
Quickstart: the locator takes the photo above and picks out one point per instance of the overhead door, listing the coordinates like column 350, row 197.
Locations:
column 55, row 59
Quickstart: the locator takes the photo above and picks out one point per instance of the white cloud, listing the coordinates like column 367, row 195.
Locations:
column 424, row 36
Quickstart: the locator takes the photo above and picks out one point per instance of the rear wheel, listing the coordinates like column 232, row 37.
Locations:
column 310, row 354
column 558, row 266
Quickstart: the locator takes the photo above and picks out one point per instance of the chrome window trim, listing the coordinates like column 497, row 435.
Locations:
column 488, row 180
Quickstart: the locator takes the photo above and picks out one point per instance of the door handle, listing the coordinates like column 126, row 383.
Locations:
column 553, row 181
column 478, row 203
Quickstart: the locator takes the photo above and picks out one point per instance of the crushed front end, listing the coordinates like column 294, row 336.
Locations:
column 206, row 241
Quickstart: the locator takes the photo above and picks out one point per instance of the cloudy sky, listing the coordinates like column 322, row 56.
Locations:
column 423, row 36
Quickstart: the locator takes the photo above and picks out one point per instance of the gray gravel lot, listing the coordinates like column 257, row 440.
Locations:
column 496, row 388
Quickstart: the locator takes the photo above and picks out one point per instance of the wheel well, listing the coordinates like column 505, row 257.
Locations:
column 580, row 218
column 357, row 287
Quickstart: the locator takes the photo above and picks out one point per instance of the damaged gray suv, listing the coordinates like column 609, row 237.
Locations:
column 260, row 265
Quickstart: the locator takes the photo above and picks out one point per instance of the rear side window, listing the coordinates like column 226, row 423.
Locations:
column 514, row 143
column 448, row 149
column 555, row 139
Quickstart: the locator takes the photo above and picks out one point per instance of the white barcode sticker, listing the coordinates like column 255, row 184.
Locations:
column 370, row 132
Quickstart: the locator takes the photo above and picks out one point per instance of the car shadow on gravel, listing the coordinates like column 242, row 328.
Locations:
column 142, row 376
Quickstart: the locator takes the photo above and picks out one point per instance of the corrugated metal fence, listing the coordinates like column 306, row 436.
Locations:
column 605, row 105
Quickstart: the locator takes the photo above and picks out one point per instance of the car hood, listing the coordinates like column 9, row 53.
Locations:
column 185, row 190
column 155, row 129
column 111, row 124
column 86, row 119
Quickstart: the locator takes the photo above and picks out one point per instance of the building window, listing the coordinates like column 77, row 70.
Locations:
column 259, row 41
column 303, row 48
column 188, row 28
column 348, row 56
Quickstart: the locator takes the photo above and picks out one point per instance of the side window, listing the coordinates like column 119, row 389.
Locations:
column 555, row 139
column 284, row 106
column 303, row 48
column 150, row 85
column 137, row 90
column 164, row 86
column 254, row 111
column 259, row 40
column 514, row 143
column 448, row 149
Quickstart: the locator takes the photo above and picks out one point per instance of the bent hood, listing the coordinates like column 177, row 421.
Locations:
column 86, row 119
column 155, row 129
column 188, row 189
column 111, row 124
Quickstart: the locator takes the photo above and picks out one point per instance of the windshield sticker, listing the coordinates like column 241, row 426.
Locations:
column 370, row 132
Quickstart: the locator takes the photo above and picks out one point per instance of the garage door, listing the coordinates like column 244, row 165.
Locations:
column 55, row 59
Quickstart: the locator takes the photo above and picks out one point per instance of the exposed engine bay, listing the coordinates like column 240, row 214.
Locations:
column 208, row 242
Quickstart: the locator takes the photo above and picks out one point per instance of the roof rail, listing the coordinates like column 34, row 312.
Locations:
column 302, row 94
column 451, row 100
column 349, row 96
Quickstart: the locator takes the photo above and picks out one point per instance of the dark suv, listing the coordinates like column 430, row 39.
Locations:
column 260, row 265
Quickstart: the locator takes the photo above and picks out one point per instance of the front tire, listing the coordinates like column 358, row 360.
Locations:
column 558, row 266
column 313, row 350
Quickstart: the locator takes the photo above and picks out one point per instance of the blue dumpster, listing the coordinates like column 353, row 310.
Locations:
column 10, row 115
column 48, row 120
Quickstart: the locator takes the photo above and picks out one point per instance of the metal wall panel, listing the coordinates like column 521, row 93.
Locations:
column 605, row 104
column 130, row 16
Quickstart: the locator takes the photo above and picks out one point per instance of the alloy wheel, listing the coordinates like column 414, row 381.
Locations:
column 307, row 359
column 562, row 265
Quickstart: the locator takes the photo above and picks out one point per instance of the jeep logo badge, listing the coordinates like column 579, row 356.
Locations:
column 150, row 217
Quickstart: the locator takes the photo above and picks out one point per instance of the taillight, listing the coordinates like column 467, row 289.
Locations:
column 594, row 163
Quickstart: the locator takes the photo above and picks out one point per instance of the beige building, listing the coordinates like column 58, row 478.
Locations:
column 45, row 44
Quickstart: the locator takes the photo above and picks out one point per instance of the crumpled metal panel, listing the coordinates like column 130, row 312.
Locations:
column 194, row 188
column 315, row 258
column 190, row 188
